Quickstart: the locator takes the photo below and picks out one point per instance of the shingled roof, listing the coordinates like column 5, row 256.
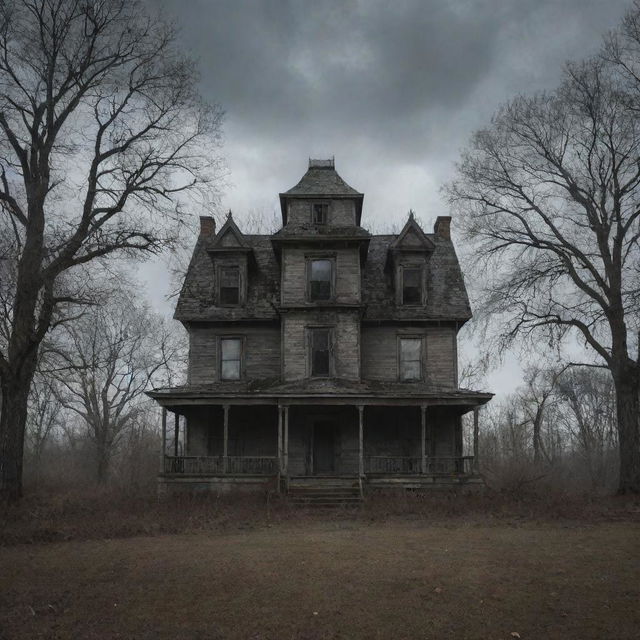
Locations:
column 323, row 181
column 319, row 388
column 446, row 294
column 196, row 302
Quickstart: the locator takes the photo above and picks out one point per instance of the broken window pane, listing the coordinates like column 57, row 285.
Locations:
column 320, row 279
column 412, row 286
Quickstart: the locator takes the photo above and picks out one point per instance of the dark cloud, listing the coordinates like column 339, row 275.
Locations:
column 393, row 89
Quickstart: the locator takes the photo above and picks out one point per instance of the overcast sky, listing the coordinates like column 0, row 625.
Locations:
column 393, row 90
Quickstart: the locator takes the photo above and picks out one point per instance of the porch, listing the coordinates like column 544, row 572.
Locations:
column 235, row 446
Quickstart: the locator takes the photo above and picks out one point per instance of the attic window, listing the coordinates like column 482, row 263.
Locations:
column 229, row 286
column 320, row 213
column 320, row 278
column 412, row 285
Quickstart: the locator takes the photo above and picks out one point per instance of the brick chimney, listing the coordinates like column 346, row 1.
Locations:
column 442, row 227
column 207, row 226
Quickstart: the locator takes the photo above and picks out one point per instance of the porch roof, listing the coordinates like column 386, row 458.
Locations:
column 319, row 391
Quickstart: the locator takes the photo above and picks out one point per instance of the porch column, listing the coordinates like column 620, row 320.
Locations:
column 361, row 440
column 423, row 438
column 176, row 433
column 279, row 438
column 164, row 438
column 286, row 440
column 225, row 441
column 476, row 411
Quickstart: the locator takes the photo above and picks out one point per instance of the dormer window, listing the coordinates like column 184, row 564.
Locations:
column 411, row 285
column 229, row 293
column 320, row 213
column 320, row 279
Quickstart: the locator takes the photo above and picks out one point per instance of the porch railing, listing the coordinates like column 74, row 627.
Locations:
column 214, row 465
column 413, row 465
column 459, row 464
column 257, row 465
column 268, row 465
column 392, row 464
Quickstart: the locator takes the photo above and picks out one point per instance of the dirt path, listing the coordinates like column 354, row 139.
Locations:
column 345, row 580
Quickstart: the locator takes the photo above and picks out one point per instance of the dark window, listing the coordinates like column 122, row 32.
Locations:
column 320, row 213
column 320, row 352
column 412, row 286
column 410, row 359
column 320, row 279
column 230, row 358
column 229, row 285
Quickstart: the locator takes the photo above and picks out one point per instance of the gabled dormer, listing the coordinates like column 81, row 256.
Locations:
column 231, row 256
column 322, row 199
column 408, row 259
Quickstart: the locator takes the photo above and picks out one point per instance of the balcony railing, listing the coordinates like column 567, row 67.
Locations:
column 413, row 465
column 215, row 465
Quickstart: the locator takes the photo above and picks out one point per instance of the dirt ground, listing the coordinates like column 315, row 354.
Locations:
column 331, row 580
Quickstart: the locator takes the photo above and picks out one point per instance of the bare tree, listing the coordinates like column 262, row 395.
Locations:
column 45, row 417
column 540, row 387
column 587, row 414
column 118, row 348
column 103, row 134
column 549, row 195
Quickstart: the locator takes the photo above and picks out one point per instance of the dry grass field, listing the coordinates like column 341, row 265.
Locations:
column 325, row 577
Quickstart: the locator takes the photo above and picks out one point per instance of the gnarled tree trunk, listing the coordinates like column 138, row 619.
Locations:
column 13, row 421
column 626, row 380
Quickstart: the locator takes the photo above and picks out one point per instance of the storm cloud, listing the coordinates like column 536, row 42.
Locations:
column 393, row 90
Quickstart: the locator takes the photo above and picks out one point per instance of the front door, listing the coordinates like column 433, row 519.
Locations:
column 324, row 439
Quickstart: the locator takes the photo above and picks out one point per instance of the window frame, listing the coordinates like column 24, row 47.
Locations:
column 422, row 359
column 309, row 259
column 330, row 337
column 241, row 339
column 412, row 267
column 220, row 269
column 326, row 206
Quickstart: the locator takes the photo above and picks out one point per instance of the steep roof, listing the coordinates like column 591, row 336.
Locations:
column 446, row 294
column 195, row 302
column 322, row 181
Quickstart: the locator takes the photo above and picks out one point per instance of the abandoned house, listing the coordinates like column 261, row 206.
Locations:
column 320, row 352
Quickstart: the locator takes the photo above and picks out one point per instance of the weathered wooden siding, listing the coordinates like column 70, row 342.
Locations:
column 262, row 351
column 346, row 278
column 346, row 349
column 380, row 353
column 341, row 212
